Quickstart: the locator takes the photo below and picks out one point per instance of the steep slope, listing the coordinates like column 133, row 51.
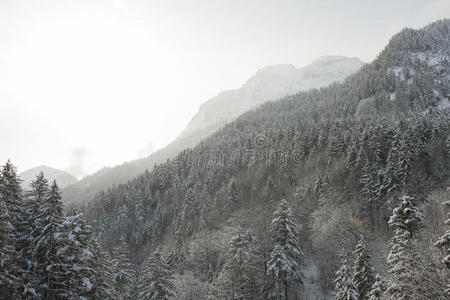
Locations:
column 62, row 178
column 342, row 170
column 270, row 83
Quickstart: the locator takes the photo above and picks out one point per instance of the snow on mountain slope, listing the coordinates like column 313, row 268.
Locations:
column 269, row 83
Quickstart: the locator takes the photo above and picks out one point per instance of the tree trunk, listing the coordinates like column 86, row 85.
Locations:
column 286, row 289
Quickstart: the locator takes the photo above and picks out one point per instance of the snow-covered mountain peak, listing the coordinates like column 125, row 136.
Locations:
column 269, row 83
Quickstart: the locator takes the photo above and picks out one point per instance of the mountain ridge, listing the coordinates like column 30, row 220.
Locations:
column 267, row 84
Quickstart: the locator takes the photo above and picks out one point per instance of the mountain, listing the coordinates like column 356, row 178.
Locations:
column 62, row 178
column 342, row 156
column 268, row 84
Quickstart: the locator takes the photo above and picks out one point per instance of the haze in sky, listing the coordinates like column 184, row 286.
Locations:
column 92, row 83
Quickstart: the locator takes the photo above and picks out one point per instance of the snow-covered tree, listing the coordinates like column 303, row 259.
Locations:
column 140, row 230
column 377, row 290
column 232, row 194
column 49, row 242
column 402, row 281
column 177, row 257
column 34, row 201
column 363, row 273
column 79, row 262
column 286, row 257
column 344, row 287
column 124, row 271
column 11, row 193
column 156, row 281
column 406, row 216
column 9, row 270
column 444, row 241
column 240, row 265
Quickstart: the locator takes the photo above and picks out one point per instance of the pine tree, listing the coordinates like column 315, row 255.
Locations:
column 240, row 265
column 404, row 162
column 9, row 270
column 79, row 261
column 232, row 194
column 363, row 277
column 48, row 244
column 377, row 290
column 104, row 280
column 122, row 223
column 156, row 281
column 402, row 281
column 177, row 258
column 11, row 193
column 124, row 271
column 35, row 199
column 140, row 231
column 444, row 243
column 286, row 257
column 345, row 289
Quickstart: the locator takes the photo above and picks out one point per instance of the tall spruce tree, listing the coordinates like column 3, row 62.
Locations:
column 156, row 281
column 12, row 194
column 79, row 262
column 49, row 242
column 401, row 280
column 240, row 265
column 177, row 258
column 377, row 290
column 344, row 287
column 9, row 269
column 444, row 243
column 363, row 273
column 286, row 257
column 232, row 194
column 124, row 271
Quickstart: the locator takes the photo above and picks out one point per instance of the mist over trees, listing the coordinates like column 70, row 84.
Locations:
column 336, row 192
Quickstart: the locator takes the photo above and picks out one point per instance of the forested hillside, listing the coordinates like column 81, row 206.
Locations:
column 342, row 156
column 268, row 84
column 333, row 192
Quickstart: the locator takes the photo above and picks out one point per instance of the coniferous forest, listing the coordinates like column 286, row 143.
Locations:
column 340, row 192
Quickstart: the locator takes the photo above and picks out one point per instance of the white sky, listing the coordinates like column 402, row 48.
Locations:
column 97, row 81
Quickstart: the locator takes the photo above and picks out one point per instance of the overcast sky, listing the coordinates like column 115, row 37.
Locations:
column 92, row 83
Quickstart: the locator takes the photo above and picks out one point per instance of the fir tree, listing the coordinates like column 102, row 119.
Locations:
column 124, row 271
column 79, row 261
column 240, row 265
column 377, row 290
column 286, row 256
column 104, row 277
column 177, row 258
column 344, row 287
column 444, row 241
column 11, row 193
column 48, row 244
column 363, row 277
column 402, row 281
column 232, row 194
column 156, row 281
column 9, row 270
column 35, row 199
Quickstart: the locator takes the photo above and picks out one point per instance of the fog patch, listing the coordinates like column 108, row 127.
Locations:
column 76, row 166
